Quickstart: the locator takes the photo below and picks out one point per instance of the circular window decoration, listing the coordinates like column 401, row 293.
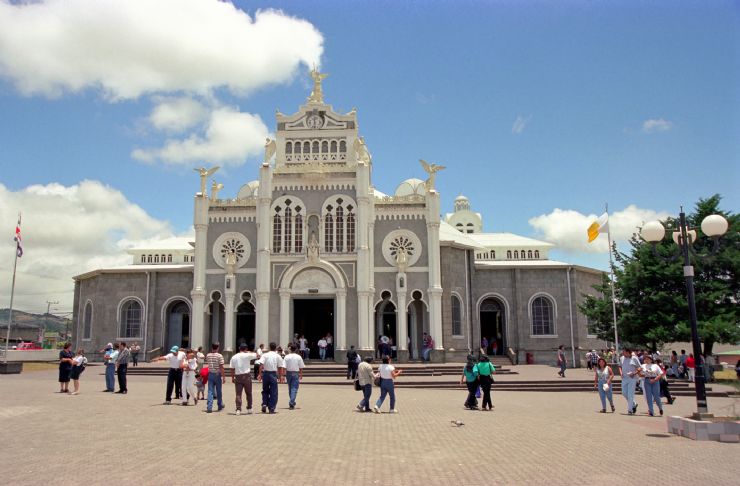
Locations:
column 397, row 239
column 231, row 242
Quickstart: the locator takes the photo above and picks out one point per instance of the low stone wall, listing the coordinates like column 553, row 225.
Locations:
column 718, row 430
column 35, row 355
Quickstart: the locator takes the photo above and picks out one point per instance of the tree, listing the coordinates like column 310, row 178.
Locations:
column 652, row 306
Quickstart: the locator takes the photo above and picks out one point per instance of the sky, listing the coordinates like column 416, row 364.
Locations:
column 542, row 112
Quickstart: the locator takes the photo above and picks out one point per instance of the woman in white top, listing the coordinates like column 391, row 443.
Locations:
column 189, row 366
column 387, row 373
column 78, row 366
column 603, row 377
column 651, row 373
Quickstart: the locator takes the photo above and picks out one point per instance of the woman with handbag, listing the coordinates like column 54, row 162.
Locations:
column 387, row 373
column 470, row 378
column 485, row 376
column 364, row 383
column 603, row 377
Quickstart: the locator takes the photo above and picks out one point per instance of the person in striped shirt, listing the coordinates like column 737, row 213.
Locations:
column 216, row 377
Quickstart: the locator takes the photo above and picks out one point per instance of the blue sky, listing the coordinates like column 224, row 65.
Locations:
column 532, row 106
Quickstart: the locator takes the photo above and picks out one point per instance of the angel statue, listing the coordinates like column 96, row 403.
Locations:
column 317, row 95
column 402, row 260
column 270, row 149
column 313, row 249
column 361, row 150
column 431, row 170
column 204, row 175
column 214, row 190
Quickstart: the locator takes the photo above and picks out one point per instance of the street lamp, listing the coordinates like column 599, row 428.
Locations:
column 713, row 226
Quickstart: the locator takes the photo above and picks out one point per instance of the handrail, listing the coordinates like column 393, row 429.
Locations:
column 512, row 356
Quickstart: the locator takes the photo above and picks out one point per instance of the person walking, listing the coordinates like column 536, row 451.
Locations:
column 629, row 370
column 174, row 373
column 189, row 366
column 691, row 367
column 470, row 379
column 603, row 376
column 241, row 376
column 65, row 367
column 664, row 390
column 110, row 367
column 122, row 367
column 387, row 373
column 135, row 348
column 561, row 361
column 485, row 377
column 294, row 373
column 652, row 373
column 79, row 362
column 365, row 376
column 351, row 363
column 216, row 378
column 272, row 366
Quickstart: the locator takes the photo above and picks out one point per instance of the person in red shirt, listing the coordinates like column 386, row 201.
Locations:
column 691, row 366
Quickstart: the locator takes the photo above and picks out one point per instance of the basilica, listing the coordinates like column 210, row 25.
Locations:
column 313, row 248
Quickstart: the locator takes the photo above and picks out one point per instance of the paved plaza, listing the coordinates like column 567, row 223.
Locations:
column 530, row 438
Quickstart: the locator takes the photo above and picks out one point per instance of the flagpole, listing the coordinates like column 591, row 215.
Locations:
column 611, row 279
column 12, row 293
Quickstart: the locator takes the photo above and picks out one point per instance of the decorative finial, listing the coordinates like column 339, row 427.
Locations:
column 317, row 95
column 215, row 188
column 431, row 170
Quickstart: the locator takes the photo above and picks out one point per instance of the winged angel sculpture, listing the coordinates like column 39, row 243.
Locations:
column 363, row 154
column 270, row 149
column 431, row 170
column 204, row 175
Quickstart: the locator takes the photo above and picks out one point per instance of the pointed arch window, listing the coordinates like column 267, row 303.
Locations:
column 288, row 233
column 350, row 230
column 339, row 236
column 328, row 231
column 277, row 232
column 298, row 230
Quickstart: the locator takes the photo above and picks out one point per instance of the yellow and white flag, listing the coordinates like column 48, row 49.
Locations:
column 601, row 225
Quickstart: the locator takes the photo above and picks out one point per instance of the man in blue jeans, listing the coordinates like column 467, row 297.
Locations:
column 110, row 357
column 365, row 376
column 629, row 368
column 272, row 367
column 294, row 373
column 216, row 377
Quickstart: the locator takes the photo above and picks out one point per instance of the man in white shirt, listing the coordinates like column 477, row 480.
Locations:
column 241, row 364
column 629, row 369
column 174, row 374
column 271, row 367
column 294, row 373
column 322, row 348
column 260, row 350
column 303, row 346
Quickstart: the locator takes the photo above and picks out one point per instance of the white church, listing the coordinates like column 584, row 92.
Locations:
column 312, row 247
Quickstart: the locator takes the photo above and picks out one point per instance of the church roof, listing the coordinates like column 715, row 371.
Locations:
column 170, row 267
column 501, row 264
column 508, row 239
column 173, row 244
column 449, row 236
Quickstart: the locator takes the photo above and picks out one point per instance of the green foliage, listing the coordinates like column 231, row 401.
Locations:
column 652, row 306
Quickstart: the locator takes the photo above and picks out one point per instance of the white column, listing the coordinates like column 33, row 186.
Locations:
column 229, row 322
column 284, row 317
column 435, row 282
column 340, row 341
column 363, row 322
column 364, row 265
column 262, row 310
column 198, row 293
column 401, row 314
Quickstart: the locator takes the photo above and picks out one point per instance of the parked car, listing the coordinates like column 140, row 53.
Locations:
column 28, row 346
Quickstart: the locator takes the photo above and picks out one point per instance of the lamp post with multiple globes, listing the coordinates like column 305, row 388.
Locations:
column 713, row 226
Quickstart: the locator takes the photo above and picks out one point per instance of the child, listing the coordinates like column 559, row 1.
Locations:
column 200, row 386
column 78, row 366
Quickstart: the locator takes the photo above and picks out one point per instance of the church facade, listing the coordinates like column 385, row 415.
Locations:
column 311, row 248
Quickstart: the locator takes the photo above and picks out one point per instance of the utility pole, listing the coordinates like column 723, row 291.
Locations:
column 46, row 319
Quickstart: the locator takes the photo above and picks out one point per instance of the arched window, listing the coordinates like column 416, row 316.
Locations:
column 542, row 317
column 149, row 259
column 306, row 147
column 130, row 319
column 315, row 148
column 324, row 147
column 516, row 255
column 288, row 222
column 456, row 316
column 288, row 147
column 537, row 253
column 143, row 258
column 508, row 254
column 298, row 231
column 529, row 253
column 470, row 228
column 524, row 254
column 156, row 258
column 342, row 146
column 298, row 147
column 333, row 146
column 350, row 231
column 277, row 233
column 328, row 231
column 493, row 254
column 87, row 322
column 169, row 258
column 339, row 237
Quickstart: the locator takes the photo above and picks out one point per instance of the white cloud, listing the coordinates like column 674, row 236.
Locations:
column 566, row 228
column 229, row 137
column 135, row 47
column 520, row 124
column 68, row 230
column 655, row 125
column 177, row 114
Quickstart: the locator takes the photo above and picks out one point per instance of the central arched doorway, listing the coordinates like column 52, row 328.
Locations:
column 313, row 318
column 493, row 325
column 385, row 320
column 178, row 325
column 217, row 321
column 245, row 322
column 418, row 324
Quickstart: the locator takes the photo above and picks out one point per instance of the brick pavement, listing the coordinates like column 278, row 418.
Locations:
column 530, row 438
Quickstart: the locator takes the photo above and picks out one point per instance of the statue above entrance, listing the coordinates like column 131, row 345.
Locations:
column 313, row 249
column 317, row 95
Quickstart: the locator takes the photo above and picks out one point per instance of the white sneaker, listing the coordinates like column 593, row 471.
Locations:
column 376, row 409
column 249, row 411
column 395, row 410
column 238, row 412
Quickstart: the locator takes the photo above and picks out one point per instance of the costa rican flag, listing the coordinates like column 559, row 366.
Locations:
column 18, row 240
